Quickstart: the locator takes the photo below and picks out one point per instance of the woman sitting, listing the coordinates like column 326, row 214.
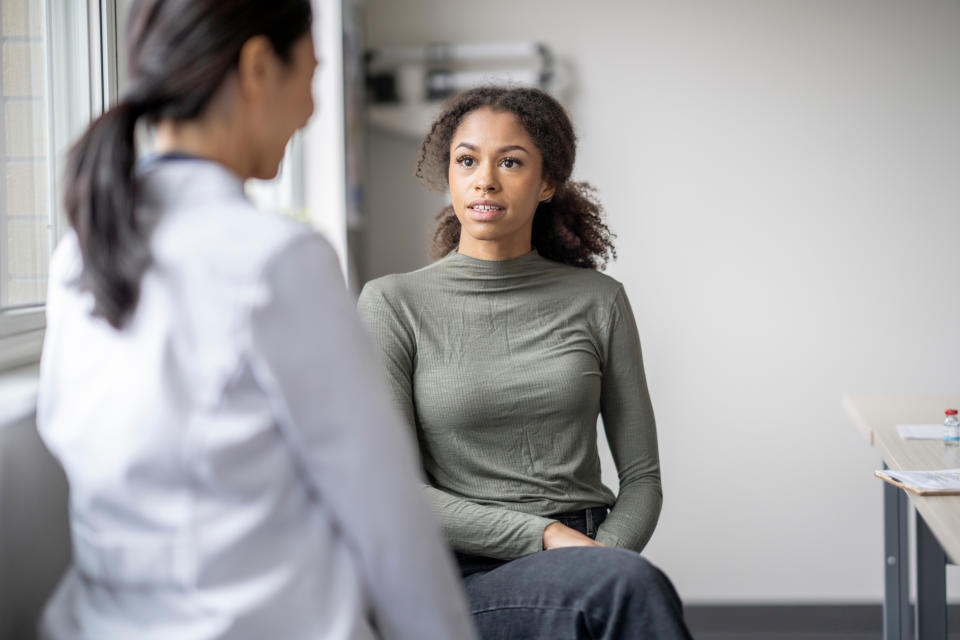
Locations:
column 501, row 355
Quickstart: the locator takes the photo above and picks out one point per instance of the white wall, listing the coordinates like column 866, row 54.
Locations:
column 783, row 178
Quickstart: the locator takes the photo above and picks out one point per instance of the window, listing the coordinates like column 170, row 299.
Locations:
column 52, row 70
column 58, row 68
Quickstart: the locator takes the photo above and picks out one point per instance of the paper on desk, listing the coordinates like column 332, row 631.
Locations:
column 920, row 431
column 937, row 481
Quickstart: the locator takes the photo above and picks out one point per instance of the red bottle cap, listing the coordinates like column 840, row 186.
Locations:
column 951, row 412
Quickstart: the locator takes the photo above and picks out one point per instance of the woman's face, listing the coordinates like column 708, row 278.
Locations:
column 288, row 104
column 496, row 182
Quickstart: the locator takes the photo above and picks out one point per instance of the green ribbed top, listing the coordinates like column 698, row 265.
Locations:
column 501, row 368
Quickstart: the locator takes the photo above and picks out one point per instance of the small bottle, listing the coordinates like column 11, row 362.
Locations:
column 951, row 429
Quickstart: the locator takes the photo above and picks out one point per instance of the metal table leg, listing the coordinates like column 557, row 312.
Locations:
column 896, row 593
column 931, row 609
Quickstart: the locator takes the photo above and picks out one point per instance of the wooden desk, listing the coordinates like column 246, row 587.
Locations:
column 938, row 521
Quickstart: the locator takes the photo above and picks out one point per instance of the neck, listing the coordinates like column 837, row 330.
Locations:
column 204, row 137
column 500, row 249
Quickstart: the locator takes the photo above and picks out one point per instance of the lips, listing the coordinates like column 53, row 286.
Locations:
column 486, row 210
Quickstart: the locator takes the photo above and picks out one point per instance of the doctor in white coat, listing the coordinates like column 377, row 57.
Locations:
column 236, row 469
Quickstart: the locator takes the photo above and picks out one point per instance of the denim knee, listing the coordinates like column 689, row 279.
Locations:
column 626, row 576
column 622, row 565
column 583, row 592
column 633, row 594
column 637, row 570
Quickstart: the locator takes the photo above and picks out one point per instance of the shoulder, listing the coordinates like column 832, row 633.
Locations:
column 381, row 299
column 303, row 256
column 399, row 289
column 378, row 291
column 597, row 296
column 600, row 288
column 204, row 219
column 66, row 267
column 66, row 263
column 229, row 236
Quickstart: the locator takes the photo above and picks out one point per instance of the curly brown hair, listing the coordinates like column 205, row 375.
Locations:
column 569, row 228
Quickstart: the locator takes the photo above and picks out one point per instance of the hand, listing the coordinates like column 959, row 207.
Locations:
column 557, row 535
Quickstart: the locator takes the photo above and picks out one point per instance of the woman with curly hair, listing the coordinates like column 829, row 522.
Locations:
column 501, row 355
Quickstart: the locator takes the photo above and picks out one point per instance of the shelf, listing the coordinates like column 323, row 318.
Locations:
column 405, row 119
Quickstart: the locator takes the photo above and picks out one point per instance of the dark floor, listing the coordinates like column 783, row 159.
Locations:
column 876, row 635
column 795, row 622
column 788, row 636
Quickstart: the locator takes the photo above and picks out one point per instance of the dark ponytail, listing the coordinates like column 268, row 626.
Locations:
column 569, row 228
column 179, row 54
column 100, row 206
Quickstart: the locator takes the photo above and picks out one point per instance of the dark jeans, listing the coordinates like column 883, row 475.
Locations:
column 574, row 593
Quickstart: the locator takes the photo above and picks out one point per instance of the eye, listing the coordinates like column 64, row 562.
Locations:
column 465, row 161
column 510, row 163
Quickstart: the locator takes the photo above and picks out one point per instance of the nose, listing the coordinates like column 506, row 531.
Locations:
column 486, row 181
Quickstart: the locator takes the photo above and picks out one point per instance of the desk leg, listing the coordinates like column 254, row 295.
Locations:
column 931, row 609
column 896, row 592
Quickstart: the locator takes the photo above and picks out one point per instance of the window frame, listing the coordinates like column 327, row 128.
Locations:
column 22, row 328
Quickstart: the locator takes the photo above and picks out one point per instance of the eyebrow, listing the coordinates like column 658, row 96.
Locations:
column 509, row 147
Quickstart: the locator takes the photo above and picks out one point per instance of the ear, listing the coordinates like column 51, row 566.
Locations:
column 254, row 67
column 546, row 191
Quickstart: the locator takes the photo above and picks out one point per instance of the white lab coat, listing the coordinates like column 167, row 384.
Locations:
column 236, row 469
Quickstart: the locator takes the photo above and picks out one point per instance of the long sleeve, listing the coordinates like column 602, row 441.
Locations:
column 631, row 431
column 312, row 356
column 472, row 528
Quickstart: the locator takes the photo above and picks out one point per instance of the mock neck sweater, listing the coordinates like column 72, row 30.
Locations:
column 501, row 368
